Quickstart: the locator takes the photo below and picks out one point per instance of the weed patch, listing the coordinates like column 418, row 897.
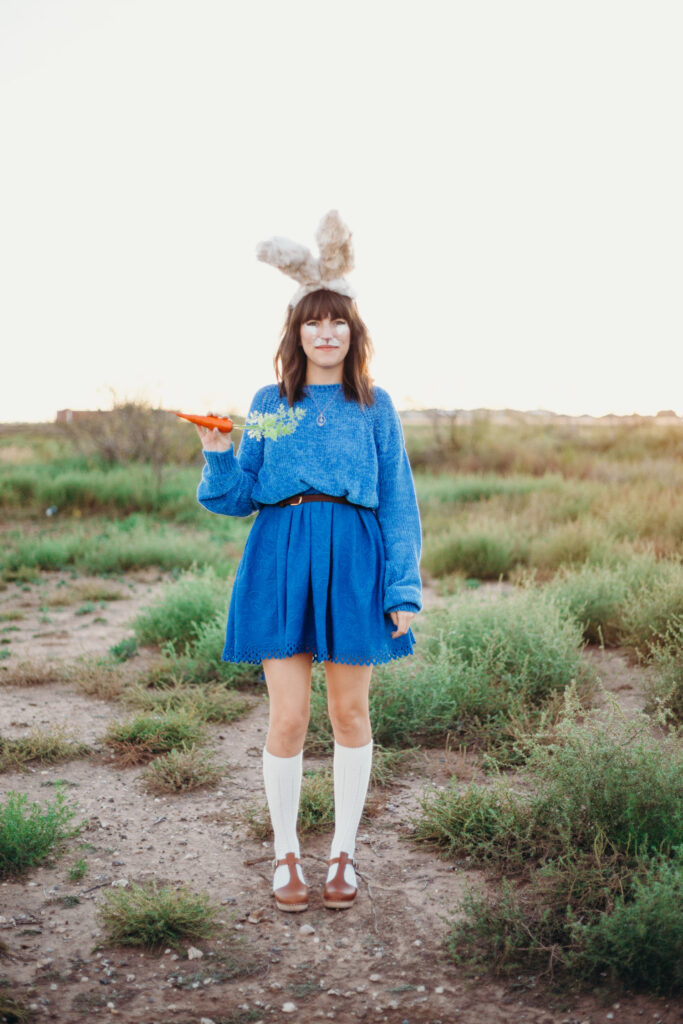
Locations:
column 185, row 606
column 181, row 771
column 206, row 703
column 144, row 737
column 593, row 841
column 29, row 833
column 485, row 672
column 150, row 916
column 45, row 746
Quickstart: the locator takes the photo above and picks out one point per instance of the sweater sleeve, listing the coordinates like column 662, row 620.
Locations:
column 228, row 479
column 397, row 512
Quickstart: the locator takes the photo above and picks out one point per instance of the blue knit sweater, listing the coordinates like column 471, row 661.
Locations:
column 359, row 454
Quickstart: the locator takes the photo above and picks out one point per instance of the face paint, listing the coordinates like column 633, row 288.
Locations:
column 326, row 343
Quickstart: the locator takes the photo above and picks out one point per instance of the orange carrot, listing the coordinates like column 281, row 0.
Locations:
column 222, row 423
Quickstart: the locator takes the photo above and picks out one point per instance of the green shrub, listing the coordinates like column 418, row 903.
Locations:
column 181, row 771
column 602, row 782
column 664, row 685
column 151, row 917
column 124, row 649
column 142, row 738
column 593, row 837
column 480, row 667
column 29, row 833
column 485, row 551
column 200, row 662
column 46, row 746
column 114, row 546
column 184, row 607
column 641, row 941
column 626, row 603
column 206, row 703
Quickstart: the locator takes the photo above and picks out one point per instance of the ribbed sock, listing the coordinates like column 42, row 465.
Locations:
column 351, row 769
column 282, row 781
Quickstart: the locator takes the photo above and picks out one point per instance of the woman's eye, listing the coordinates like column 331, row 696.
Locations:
column 311, row 323
column 340, row 323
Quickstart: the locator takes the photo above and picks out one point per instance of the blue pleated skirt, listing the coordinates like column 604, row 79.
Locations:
column 311, row 580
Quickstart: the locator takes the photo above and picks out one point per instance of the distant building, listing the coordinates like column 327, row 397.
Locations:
column 72, row 415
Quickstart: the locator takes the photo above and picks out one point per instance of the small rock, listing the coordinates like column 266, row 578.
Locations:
column 375, row 977
column 418, row 942
column 289, row 1007
column 130, row 977
column 307, row 929
column 122, row 882
column 194, row 954
column 205, row 1020
column 439, row 990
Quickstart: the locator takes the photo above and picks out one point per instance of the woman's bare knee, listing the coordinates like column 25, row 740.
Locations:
column 289, row 691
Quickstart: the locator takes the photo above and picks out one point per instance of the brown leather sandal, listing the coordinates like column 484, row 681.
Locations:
column 292, row 897
column 338, row 894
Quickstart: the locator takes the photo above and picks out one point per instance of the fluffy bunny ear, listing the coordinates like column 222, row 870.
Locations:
column 291, row 258
column 336, row 249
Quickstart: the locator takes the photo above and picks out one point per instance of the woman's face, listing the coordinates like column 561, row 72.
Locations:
column 326, row 342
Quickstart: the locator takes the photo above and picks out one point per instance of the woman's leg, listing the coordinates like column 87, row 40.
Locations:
column 289, row 690
column 348, row 704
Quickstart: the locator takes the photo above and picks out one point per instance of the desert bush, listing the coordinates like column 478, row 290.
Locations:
column 593, row 838
column 182, row 609
column 29, row 833
column 96, row 677
column 132, row 543
column 483, row 550
column 200, row 662
column 602, row 782
column 625, row 603
column 641, row 941
column 150, row 917
column 142, row 738
column 45, row 746
column 664, row 685
column 180, row 771
column 206, row 703
column 481, row 667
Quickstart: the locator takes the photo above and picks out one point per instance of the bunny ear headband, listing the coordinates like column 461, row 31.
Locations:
column 298, row 262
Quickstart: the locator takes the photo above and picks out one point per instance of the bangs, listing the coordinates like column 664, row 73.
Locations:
column 317, row 305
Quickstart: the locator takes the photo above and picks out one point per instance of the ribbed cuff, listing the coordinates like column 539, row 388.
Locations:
column 406, row 607
column 220, row 462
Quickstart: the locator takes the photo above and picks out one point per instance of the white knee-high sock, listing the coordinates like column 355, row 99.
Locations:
column 351, row 769
column 282, row 781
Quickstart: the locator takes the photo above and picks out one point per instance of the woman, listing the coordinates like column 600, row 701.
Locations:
column 330, row 569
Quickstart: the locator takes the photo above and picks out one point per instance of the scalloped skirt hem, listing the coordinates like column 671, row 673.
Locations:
column 381, row 658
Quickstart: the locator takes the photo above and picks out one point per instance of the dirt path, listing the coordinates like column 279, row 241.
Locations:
column 383, row 960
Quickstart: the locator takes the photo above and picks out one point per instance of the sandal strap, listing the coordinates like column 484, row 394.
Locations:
column 277, row 863
column 349, row 860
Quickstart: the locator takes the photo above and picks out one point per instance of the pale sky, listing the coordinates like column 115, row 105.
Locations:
column 511, row 171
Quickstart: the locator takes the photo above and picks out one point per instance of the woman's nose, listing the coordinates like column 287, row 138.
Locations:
column 326, row 329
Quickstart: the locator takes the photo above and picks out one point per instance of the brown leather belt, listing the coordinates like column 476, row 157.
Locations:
column 299, row 499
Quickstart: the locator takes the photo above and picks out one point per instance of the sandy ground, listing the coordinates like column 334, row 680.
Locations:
column 382, row 960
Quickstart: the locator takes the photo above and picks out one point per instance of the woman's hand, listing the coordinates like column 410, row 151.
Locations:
column 402, row 622
column 213, row 440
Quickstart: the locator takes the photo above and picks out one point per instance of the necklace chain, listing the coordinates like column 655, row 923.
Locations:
column 321, row 419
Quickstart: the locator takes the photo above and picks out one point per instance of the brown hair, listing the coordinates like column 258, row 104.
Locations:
column 290, row 358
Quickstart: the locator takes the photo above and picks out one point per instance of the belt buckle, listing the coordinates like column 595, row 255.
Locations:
column 298, row 501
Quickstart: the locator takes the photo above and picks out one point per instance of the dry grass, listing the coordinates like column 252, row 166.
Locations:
column 84, row 590
column 181, row 771
column 45, row 746
column 96, row 678
column 30, row 673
